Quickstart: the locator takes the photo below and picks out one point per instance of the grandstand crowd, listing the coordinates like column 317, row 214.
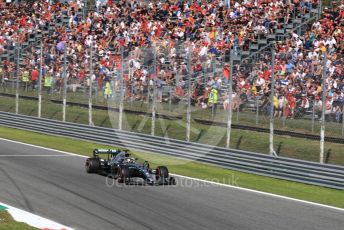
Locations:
column 181, row 35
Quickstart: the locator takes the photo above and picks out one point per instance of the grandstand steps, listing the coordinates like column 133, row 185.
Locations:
column 39, row 36
column 59, row 24
column 289, row 26
column 32, row 39
column 315, row 11
column 25, row 44
column 297, row 21
column 4, row 56
column 262, row 42
column 307, row 16
column 245, row 53
column 236, row 57
column 11, row 52
column 45, row 32
column 271, row 37
column 278, row 34
column 280, row 31
column 253, row 47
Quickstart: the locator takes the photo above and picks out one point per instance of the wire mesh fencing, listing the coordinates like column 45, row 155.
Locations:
column 238, row 98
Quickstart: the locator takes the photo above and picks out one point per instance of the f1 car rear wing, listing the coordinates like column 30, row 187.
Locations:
column 109, row 152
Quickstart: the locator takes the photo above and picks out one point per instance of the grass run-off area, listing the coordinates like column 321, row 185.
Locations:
column 312, row 193
column 7, row 223
column 286, row 146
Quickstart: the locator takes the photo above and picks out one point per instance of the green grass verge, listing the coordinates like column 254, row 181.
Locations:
column 7, row 223
column 191, row 168
column 245, row 117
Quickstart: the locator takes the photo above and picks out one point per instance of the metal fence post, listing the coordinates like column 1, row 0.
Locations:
column 154, row 92
column 170, row 98
column 257, row 111
column 17, row 79
column 214, row 67
column 319, row 9
column 113, row 83
column 120, row 119
column 322, row 128
column 238, row 106
column 84, row 10
column 313, row 116
column 130, row 77
column 188, row 111
column 40, row 82
column 271, row 137
column 96, row 93
column 11, row 76
column 132, row 95
column 228, row 3
column 283, row 112
column 229, row 106
column 90, row 120
column 64, row 84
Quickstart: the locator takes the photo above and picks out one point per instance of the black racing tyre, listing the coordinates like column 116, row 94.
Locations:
column 172, row 181
column 92, row 165
column 161, row 172
column 123, row 173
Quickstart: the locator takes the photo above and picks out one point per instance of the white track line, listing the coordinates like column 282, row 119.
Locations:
column 259, row 192
column 35, row 155
column 33, row 220
column 200, row 180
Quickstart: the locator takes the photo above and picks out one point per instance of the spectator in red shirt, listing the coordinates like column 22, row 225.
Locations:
column 34, row 78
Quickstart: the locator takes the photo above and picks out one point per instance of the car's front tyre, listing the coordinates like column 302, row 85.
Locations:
column 172, row 181
column 161, row 174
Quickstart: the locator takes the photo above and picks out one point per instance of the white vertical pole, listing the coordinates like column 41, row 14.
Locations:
column 271, row 137
column 40, row 82
column 257, row 111
column 319, row 9
column 228, row 3
column 154, row 92
column 64, row 84
column 230, row 92
column 90, row 120
column 170, row 98
column 84, row 7
column 17, row 80
column 283, row 111
column 313, row 116
column 238, row 106
column 322, row 129
column 120, row 121
column 188, row 112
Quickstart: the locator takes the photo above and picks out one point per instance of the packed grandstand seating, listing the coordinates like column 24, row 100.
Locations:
column 177, row 40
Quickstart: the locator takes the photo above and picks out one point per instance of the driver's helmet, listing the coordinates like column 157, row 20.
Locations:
column 130, row 160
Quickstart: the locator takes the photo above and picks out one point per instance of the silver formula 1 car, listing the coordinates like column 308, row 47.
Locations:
column 119, row 165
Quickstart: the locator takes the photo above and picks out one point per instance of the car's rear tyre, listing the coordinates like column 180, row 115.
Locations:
column 123, row 174
column 92, row 165
column 161, row 173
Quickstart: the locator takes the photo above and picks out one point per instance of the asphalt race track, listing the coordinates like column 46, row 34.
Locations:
column 55, row 186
